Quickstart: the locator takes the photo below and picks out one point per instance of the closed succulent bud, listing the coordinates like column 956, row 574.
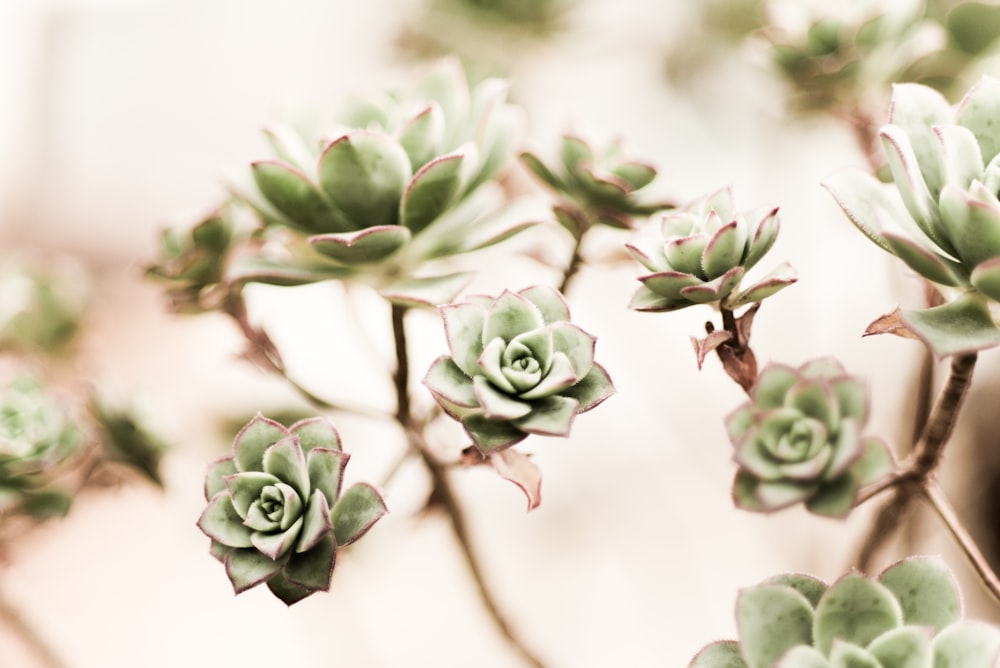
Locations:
column 910, row 615
column 700, row 254
column 799, row 439
column 517, row 367
column 943, row 220
column 276, row 513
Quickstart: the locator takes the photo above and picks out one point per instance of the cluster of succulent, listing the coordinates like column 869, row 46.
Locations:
column 517, row 367
column 909, row 616
column 943, row 220
column 595, row 186
column 275, row 510
column 390, row 182
column 835, row 56
column 39, row 437
column 700, row 254
column 798, row 439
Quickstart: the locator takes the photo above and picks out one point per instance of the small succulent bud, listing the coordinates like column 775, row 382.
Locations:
column 517, row 367
column 799, row 439
column 943, row 220
column 910, row 615
column 700, row 254
column 275, row 512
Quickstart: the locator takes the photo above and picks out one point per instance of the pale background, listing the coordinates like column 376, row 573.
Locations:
column 119, row 117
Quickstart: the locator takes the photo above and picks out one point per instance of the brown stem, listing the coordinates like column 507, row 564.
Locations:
column 735, row 354
column 444, row 492
column 13, row 619
column 932, row 492
column 575, row 262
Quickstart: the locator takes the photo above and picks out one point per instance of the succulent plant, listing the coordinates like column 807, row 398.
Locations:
column 394, row 180
column 517, row 367
column 275, row 510
column 799, row 439
column 943, row 221
column 910, row 616
column 699, row 255
column 39, row 437
column 595, row 186
column 41, row 308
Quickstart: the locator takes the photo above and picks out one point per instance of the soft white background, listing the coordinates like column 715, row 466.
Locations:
column 119, row 117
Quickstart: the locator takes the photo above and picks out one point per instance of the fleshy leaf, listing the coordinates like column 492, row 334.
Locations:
column 509, row 316
column 316, row 522
column 849, row 655
column 834, row 498
column 252, row 269
column 962, row 325
column 519, row 469
column 220, row 522
column 810, row 587
column 285, row 590
column 802, row 657
column 250, row 443
column 277, row 545
column 551, row 416
column 355, row 513
column 445, row 379
column 874, row 463
column 316, row 433
column 722, row 654
column 986, row 278
column 326, row 471
column 463, row 327
column 431, row 191
column 926, row 591
column 541, row 171
column 497, row 405
column 776, row 280
column 422, row 134
column 745, row 493
column 978, row 111
column 215, row 477
column 591, row 390
column 550, row 302
column 854, row 610
column 285, row 461
column 247, row 568
column 426, row 292
column 312, row 569
column 704, row 347
column 296, row 198
column 371, row 244
column 905, row 647
column 967, row 645
column 490, row 435
column 772, row 619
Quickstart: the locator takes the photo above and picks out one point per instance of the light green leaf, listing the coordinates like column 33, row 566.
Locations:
column 253, row 439
column 421, row 137
column 551, row 416
column 313, row 569
column 326, row 471
column 285, row 461
column 722, row 654
column 491, row 435
column 926, row 591
column 285, row 590
column 978, row 111
column 834, row 498
column 247, row 568
column 591, row 390
column 445, row 379
column 426, row 292
column 366, row 246
column 905, row 647
column 220, row 522
column 810, row 587
column 874, row 463
column 276, row 545
column 316, row 433
column 432, row 191
column 854, row 610
column 772, row 619
column 960, row 326
column 497, row 405
column 509, row 316
column 296, row 198
column 356, row 512
column 215, row 477
column 463, row 327
column 316, row 522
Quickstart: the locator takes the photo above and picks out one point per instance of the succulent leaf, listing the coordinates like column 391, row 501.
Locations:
column 772, row 619
column 855, row 610
column 356, row 512
column 926, row 591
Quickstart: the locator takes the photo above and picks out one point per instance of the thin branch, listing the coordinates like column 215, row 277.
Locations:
column 941, row 424
column 13, row 619
column 932, row 492
column 444, row 493
column 575, row 262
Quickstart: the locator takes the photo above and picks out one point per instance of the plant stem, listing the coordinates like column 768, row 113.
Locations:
column 575, row 262
column 932, row 492
column 38, row 646
column 930, row 447
column 444, row 493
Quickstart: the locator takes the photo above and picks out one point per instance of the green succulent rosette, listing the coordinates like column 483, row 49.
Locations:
column 943, row 217
column 39, row 437
column 799, row 439
column 910, row 616
column 275, row 510
column 393, row 181
column 701, row 253
column 595, row 186
column 517, row 367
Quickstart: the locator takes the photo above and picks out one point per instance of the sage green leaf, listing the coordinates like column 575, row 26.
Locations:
column 814, row 399
column 827, row 368
column 925, row 262
column 541, row 171
column 277, row 545
column 739, row 422
column 966, row 645
column 772, row 385
column 776, row 280
column 247, row 568
column 253, row 269
column 978, row 111
column 366, row 246
column 648, row 301
column 576, row 344
column 778, row 494
column 854, row 610
column 289, row 145
column 744, row 492
column 865, row 202
column 905, row 647
column 875, row 463
column 426, row 292
column 285, row 461
column 973, row 220
column 963, row 159
column 316, row 433
column 220, row 522
column 852, row 396
column 764, row 236
column 638, row 175
column 834, row 498
column 315, row 522
column 491, row 364
column 421, row 137
column 312, row 570
column 560, row 377
column 326, row 471
column 575, row 152
column 245, row 488
column 463, row 327
column 253, row 439
column 917, row 197
column 916, row 109
column 497, row 405
column 445, row 379
column 802, row 657
column 509, row 316
column 550, row 416
column 215, row 477
column 549, row 301
column 356, row 512
column 849, row 655
column 722, row 654
column 296, row 198
column 986, row 278
column 285, row 590
column 489, row 435
column 668, row 284
column 432, row 190
column 591, row 390
column 810, row 587
column 220, row 551
column 962, row 325
column 926, row 591
column 724, row 250
column 364, row 174
column 684, row 255
column 772, row 619
column 717, row 288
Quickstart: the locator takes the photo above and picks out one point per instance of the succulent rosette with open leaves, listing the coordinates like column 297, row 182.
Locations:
column 392, row 181
column 276, row 513
column 799, row 439
column 517, row 367
column 910, row 616
column 700, row 254
column 943, row 220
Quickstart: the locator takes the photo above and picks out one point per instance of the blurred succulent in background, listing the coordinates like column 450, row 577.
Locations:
column 127, row 439
column 39, row 438
column 276, row 513
column 392, row 181
column 517, row 367
column 41, row 308
column 700, row 254
column 943, row 220
column 909, row 616
column 595, row 186
column 799, row 439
